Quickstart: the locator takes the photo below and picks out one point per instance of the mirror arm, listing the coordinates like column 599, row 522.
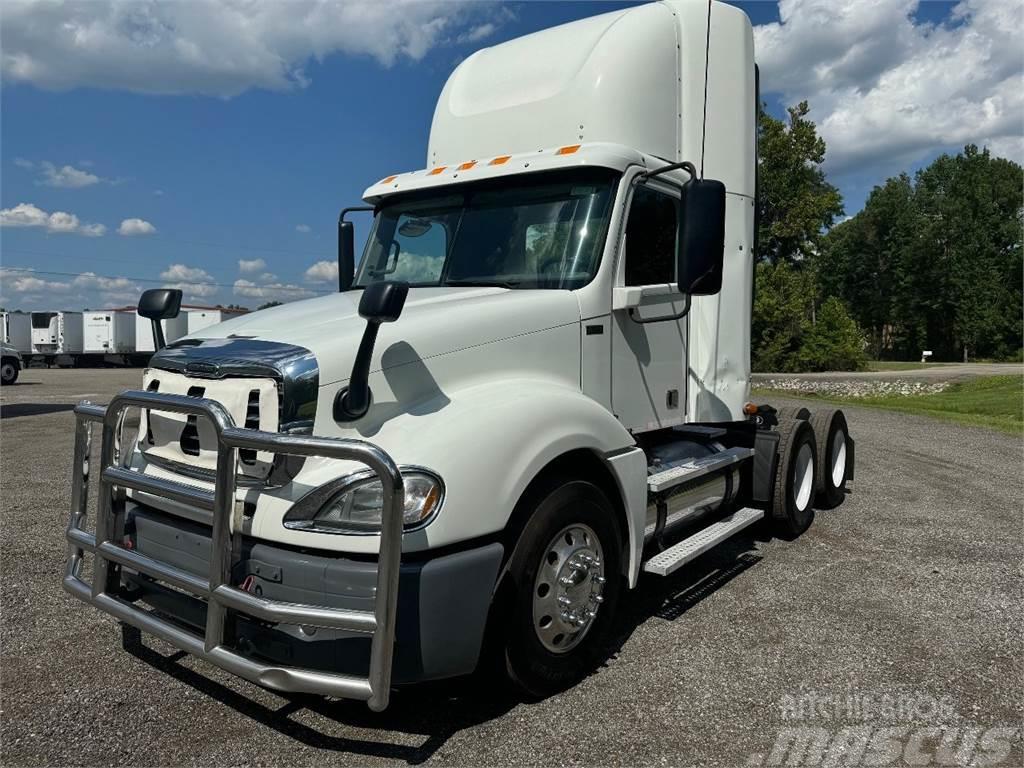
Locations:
column 158, row 335
column 664, row 318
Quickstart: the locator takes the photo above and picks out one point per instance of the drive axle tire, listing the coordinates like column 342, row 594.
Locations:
column 789, row 412
column 564, row 583
column 833, row 457
column 792, row 510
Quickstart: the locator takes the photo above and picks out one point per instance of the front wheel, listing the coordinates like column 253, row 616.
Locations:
column 565, row 579
column 8, row 372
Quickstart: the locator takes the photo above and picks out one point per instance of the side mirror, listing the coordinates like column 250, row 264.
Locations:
column 159, row 304
column 346, row 255
column 380, row 303
column 701, row 246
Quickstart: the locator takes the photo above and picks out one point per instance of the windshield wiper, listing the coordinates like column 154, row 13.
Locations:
column 485, row 283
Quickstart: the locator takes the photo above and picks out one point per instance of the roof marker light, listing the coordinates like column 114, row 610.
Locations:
column 436, row 171
column 389, row 179
column 567, row 150
column 500, row 160
column 466, row 166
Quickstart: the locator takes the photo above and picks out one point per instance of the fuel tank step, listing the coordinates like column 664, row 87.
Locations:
column 686, row 550
column 694, row 468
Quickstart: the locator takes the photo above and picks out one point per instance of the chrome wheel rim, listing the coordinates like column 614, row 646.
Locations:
column 7, row 372
column 838, row 458
column 803, row 477
column 567, row 592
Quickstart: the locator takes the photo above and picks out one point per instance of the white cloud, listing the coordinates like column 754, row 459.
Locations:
column 886, row 91
column 21, row 162
column 323, row 272
column 478, row 33
column 213, row 47
column 133, row 227
column 23, row 281
column 58, row 222
column 248, row 266
column 66, row 176
column 193, row 280
column 110, row 288
column 304, row 228
column 275, row 291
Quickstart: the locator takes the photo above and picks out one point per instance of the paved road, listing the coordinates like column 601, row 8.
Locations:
column 912, row 588
column 934, row 372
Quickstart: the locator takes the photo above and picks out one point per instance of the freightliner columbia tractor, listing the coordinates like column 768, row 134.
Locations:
column 532, row 388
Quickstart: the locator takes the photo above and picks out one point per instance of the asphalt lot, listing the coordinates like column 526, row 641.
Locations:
column 911, row 588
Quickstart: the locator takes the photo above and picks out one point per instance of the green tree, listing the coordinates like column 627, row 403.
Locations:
column 833, row 342
column 796, row 202
column 269, row 304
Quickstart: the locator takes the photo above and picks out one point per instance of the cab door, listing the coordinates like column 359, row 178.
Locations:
column 649, row 329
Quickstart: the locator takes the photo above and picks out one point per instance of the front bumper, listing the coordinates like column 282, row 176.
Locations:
column 223, row 601
column 442, row 602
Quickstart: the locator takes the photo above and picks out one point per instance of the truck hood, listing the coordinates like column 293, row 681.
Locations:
column 435, row 321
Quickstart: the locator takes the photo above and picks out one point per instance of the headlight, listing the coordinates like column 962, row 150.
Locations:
column 354, row 504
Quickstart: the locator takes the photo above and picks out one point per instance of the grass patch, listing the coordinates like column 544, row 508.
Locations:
column 990, row 401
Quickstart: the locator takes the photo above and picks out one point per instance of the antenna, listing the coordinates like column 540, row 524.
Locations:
column 704, row 126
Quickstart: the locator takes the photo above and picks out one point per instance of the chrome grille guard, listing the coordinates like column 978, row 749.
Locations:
column 217, row 591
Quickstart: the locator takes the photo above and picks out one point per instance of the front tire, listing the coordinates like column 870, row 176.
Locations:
column 8, row 372
column 565, row 581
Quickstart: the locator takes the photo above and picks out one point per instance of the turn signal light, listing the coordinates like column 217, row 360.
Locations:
column 749, row 409
column 567, row 150
column 389, row 179
column 500, row 160
column 436, row 171
column 466, row 166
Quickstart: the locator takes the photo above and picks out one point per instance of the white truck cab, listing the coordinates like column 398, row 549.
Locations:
column 533, row 388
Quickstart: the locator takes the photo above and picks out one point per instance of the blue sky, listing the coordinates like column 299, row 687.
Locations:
column 225, row 165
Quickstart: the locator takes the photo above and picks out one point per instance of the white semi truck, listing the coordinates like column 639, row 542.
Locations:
column 533, row 389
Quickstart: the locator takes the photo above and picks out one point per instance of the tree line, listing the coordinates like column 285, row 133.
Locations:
column 932, row 262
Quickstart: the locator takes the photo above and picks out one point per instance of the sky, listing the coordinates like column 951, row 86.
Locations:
column 210, row 145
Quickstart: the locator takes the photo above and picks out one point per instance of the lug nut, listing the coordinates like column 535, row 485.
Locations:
column 564, row 600
column 600, row 579
column 598, row 599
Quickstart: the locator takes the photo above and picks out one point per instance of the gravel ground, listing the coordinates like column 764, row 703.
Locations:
column 940, row 371
column 911, row 589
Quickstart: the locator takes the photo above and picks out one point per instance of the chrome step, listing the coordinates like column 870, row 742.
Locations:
column 686, row 550
column 694, row 468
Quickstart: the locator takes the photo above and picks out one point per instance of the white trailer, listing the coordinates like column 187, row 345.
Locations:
column 534, row 389
column 174, row 329
column 199, row 318
column 57, row 335
column 111, row 332
column 17, row 331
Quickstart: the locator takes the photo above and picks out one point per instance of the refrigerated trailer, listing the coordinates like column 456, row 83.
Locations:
column 57, row 336
column 534, row 389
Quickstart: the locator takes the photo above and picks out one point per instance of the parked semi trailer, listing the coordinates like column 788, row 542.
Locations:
column 17, row 331
column 534, row 388
column 57, row 337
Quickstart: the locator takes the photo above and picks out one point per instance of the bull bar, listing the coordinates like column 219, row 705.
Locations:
column 217, row 591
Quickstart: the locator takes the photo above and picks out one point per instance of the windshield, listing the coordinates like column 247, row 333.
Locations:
column 539, row 231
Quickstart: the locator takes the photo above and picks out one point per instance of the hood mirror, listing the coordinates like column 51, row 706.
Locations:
column 159, row 304
column 380, row 303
